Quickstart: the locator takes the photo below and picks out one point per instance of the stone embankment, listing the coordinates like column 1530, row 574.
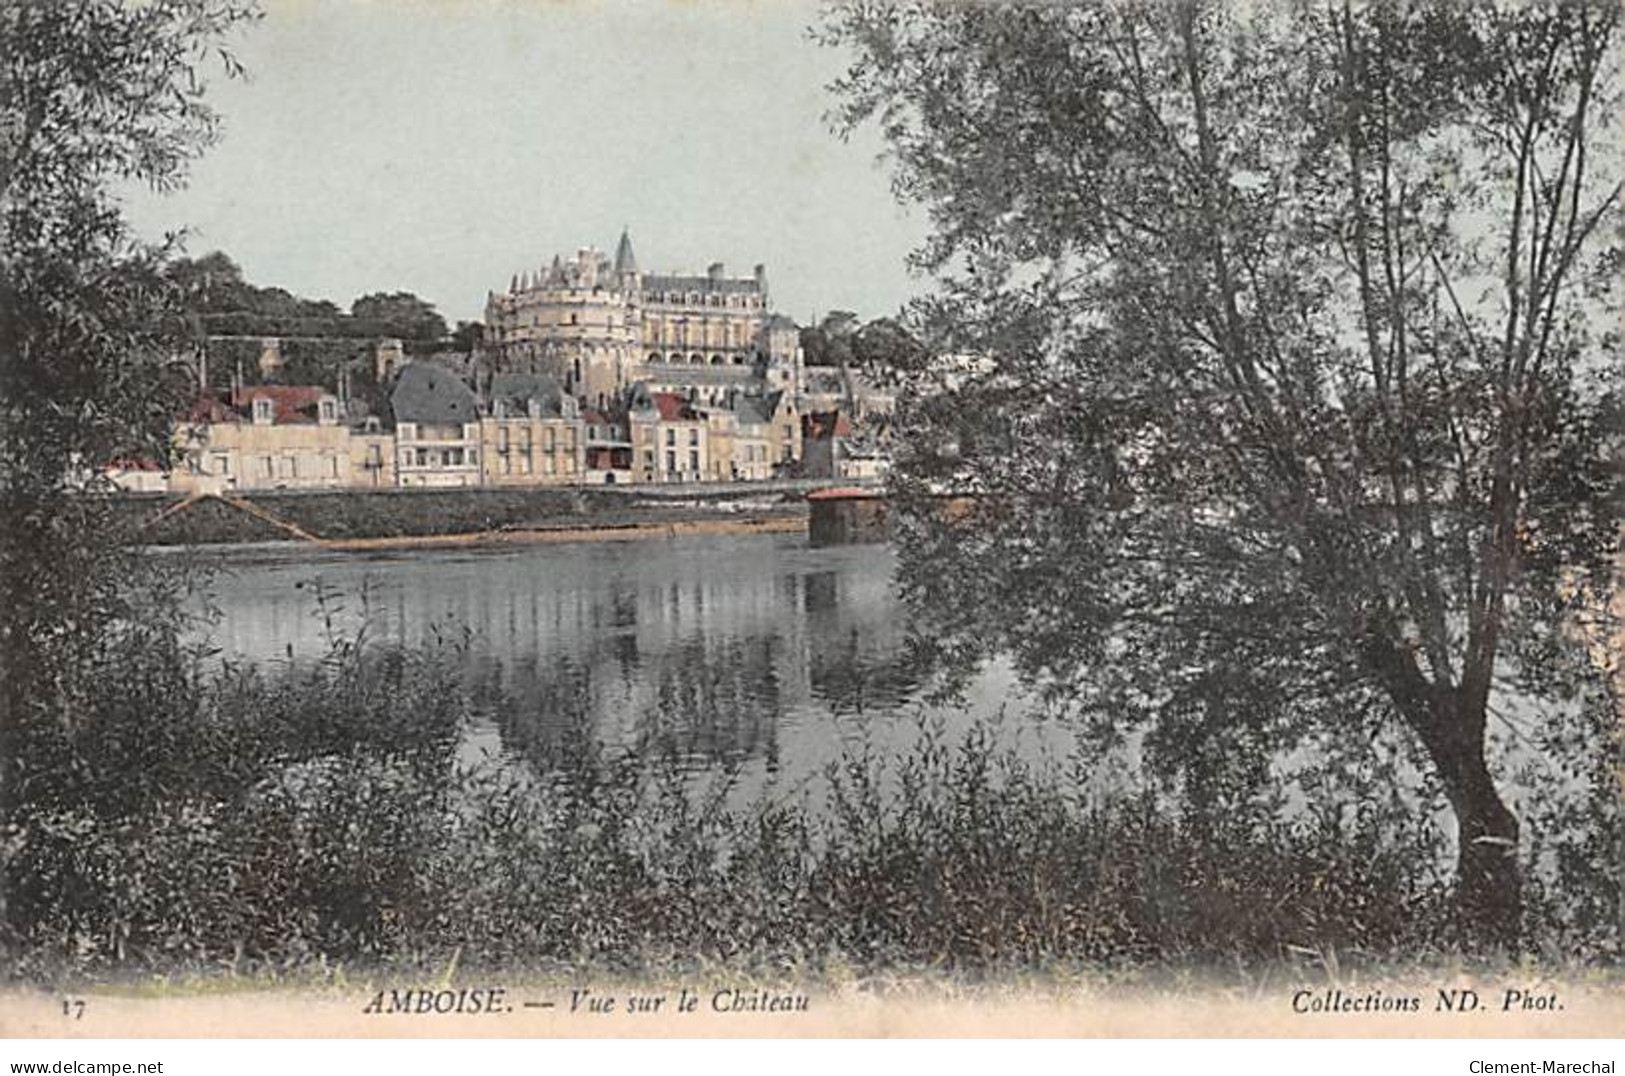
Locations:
column 381, row 519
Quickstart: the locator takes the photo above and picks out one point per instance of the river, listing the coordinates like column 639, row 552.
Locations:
column 753, row 653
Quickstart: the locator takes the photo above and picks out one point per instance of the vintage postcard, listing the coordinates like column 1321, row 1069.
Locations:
column 730, row 519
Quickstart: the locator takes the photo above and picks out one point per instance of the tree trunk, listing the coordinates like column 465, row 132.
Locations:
column 1489, row 884
column 1451, row 722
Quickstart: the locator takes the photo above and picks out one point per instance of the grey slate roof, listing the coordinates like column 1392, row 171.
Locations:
column 428, row 393
column 684, row 374
column 639, row 398
column 757, row 410
column 516, row 390
column 625, row 260
column 661, row 282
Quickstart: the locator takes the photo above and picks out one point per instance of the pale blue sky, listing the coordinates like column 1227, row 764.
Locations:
column 440, row 147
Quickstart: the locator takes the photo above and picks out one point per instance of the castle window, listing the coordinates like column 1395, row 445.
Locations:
column 716, row 360
column 697, row 360
column 654, row 356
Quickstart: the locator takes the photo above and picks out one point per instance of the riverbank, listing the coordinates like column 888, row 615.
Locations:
column 388, row 519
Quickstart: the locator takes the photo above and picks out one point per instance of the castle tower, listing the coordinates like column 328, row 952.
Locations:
column 626, row 263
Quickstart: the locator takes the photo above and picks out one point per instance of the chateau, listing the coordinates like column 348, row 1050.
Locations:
column 599, row 326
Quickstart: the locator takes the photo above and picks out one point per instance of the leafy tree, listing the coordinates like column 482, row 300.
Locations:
column 92, row 94
column 1294, row 420
column 466, row 337
column 884, row 346
column 829, row 343
column 210, row 284
column 400, row 314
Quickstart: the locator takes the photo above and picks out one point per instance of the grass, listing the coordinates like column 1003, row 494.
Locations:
column 311, row 824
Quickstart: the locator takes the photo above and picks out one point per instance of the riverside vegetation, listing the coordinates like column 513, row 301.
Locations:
column 187, row 819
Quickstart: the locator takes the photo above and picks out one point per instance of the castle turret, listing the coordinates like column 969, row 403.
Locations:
column 626, row 263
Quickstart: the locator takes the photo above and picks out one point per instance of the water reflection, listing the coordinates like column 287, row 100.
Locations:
column 731, row 651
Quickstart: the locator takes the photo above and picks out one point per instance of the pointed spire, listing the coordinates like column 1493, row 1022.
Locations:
column 625, row 260
column 513, row 285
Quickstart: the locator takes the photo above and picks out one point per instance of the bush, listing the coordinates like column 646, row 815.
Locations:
column 309, row 817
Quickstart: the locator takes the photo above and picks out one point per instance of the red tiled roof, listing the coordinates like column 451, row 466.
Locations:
column 817, row 425
column 133, row 465
column 211, row 408
column 672, row 407
column 292, row 403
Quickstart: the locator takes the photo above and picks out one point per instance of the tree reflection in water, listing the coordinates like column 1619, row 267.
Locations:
column 721, row 651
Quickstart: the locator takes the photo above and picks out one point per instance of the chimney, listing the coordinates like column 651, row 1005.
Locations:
column 714, row 271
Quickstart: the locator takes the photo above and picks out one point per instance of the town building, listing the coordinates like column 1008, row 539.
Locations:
column 670, row 437
column 531, row 433
column 609, row 448
column 263, row 437
column 437, row 428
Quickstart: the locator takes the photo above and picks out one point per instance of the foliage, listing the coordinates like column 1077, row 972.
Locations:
column 400, row 314
column 829, row 343
column 231, row 815
column 315, row 817
column 1294, row 408
column 94, row 94
column 223, row 304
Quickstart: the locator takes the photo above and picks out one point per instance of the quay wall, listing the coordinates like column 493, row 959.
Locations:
column 352, row 515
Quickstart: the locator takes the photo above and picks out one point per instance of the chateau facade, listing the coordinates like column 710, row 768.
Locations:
column 598, row 326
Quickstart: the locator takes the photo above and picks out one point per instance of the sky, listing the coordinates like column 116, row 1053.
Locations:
column 440, row 147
